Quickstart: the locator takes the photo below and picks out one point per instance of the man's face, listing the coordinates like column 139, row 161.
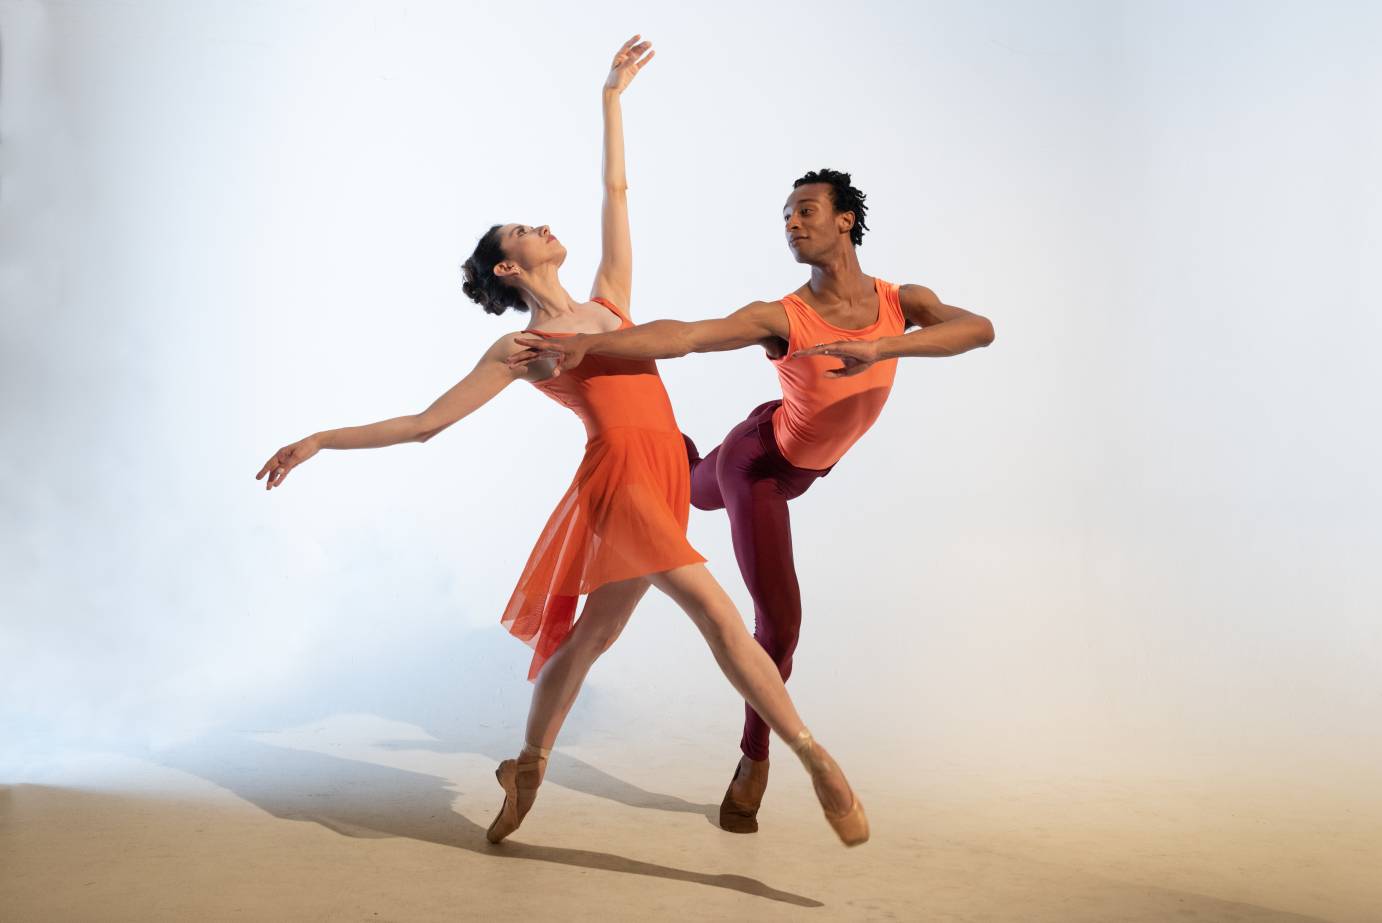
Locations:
column 812, row 225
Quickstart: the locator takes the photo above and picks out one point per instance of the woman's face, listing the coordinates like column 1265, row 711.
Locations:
column 529, row 247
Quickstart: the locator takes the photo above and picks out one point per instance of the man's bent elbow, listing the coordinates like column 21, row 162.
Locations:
column 424, row 429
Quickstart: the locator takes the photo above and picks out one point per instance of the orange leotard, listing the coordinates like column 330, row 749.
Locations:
column 626, row 510
column 820, row 418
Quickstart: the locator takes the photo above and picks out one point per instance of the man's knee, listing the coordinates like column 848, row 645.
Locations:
column 778, row 631
column 705, row 477
column 780, row 646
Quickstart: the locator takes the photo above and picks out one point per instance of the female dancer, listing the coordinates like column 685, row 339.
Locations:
column 621, row 526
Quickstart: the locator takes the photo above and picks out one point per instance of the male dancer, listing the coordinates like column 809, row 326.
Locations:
column 834, row 342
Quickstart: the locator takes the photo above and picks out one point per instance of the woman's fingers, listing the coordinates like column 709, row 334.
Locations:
column 277, row 467
column 624, row 49
column 270, row 465
column 631, row 54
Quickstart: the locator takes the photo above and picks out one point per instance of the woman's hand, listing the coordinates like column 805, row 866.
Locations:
column 628, row 61
column 286, row 459
column 855, row 356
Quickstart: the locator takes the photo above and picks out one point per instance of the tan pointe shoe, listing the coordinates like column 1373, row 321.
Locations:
column 851, row 826
column 739, row 810
column 519, row 779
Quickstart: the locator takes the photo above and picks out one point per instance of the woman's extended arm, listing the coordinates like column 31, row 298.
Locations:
column 614, row 277
column 490, row 376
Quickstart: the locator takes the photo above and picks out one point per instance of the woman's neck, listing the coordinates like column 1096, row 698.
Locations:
column 547, row 299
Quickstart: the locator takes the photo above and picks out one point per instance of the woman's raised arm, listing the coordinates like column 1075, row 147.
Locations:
column 614, row 278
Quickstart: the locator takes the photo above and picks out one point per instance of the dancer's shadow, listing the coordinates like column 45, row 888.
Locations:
column 569, row 772
column 366, row 800
column 477, row 708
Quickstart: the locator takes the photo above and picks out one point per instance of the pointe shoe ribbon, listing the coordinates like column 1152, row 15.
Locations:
column 850, row 825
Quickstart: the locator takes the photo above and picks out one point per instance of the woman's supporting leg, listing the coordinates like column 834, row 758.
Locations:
column 747, row 666
column 606, row 612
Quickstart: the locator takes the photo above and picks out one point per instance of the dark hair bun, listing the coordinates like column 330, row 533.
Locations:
column 481, row 285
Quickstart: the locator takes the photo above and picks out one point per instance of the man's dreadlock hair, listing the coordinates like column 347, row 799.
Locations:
column 846, row 198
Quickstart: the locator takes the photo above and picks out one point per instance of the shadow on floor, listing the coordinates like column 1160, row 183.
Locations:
column 365, row 800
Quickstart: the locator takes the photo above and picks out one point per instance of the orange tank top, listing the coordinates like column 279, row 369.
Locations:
column 608, row 392
column 820, row 418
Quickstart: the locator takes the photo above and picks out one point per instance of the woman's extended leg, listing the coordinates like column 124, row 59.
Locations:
column 755, row 676
column 604, row 616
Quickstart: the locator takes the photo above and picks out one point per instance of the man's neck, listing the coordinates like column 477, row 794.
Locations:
column 839, row 278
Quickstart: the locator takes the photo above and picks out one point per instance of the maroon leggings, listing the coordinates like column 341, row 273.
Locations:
column 748, row 478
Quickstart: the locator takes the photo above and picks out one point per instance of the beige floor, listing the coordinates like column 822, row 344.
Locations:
column 356, row 818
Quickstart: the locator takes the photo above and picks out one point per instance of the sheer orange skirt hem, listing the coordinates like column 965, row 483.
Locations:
column 623, row 516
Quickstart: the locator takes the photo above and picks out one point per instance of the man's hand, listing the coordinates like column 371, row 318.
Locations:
column 567, row 351
column 855, row 356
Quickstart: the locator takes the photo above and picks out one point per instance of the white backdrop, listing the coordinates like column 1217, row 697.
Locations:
column 1140, row 529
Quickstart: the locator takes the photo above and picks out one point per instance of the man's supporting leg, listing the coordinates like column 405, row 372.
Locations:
column 747, row 476
column 760, row 525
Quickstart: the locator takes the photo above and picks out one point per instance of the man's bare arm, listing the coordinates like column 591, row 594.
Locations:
column 751, row 325
column 945, row 329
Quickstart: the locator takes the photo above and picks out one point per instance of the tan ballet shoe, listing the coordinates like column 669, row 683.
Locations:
column 519, row 779
column 740, row 814
column 851, row 825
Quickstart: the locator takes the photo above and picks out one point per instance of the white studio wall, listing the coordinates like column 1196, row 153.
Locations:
column 1138, row 528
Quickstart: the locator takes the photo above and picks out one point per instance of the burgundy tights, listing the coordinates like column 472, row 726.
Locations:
column 747, row 477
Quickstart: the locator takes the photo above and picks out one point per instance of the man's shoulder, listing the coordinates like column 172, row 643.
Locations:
column 751, row 323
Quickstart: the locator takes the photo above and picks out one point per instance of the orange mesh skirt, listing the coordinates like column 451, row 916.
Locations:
column 623, row 516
